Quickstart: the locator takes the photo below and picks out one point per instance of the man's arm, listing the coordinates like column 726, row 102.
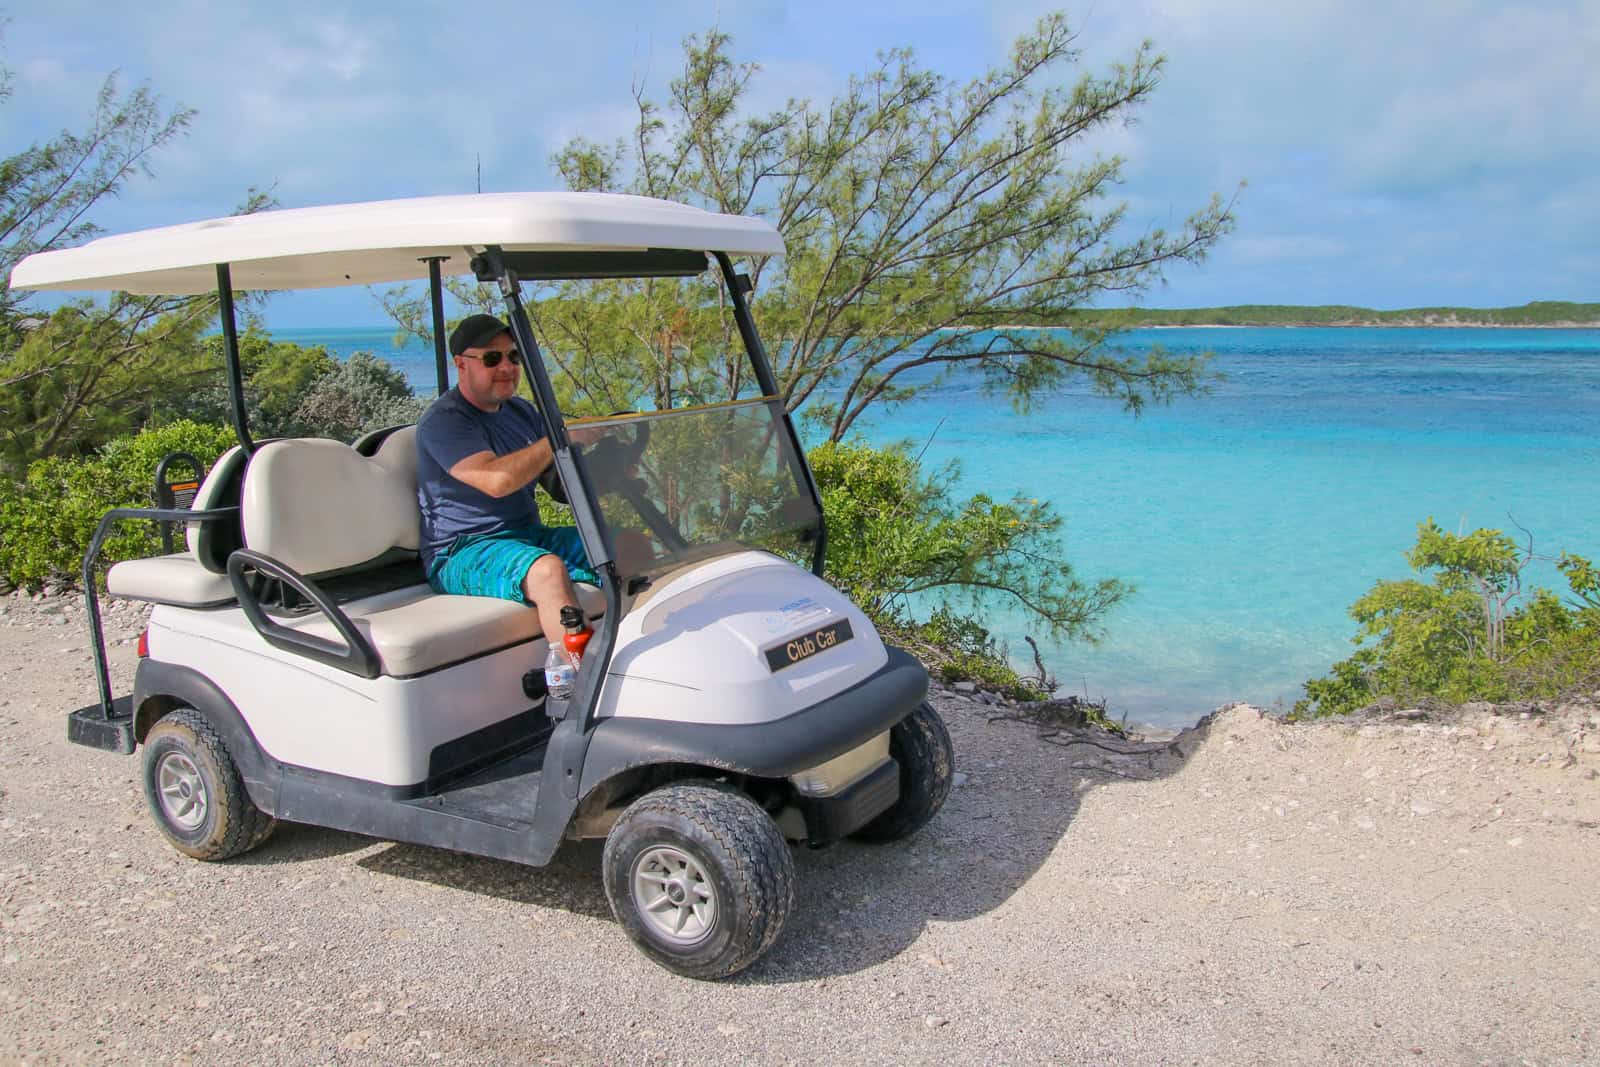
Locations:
column 500, row 476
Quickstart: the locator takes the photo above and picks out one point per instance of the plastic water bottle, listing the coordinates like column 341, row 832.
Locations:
column 559, row 675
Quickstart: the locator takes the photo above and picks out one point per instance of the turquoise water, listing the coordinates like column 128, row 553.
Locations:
column 1249, row 519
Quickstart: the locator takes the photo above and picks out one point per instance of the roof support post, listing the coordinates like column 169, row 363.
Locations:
column 436, row 298
column 567, row 753
column 230, row 355
column 738, row 285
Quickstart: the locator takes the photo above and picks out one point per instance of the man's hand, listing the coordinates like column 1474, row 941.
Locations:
column 585, row 435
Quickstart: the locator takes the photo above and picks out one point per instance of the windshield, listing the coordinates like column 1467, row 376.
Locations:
column 685, row 484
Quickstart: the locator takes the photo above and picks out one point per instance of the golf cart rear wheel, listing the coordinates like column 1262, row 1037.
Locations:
column 921, row 745
column 195, row 791
column 700, row 878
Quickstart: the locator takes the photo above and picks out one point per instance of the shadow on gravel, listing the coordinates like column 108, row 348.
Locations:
column 570, row 882
column 856, row 905
column 860, row 905
column 293, row 842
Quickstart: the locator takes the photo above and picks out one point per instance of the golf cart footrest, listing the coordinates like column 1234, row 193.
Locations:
column 830, row 818
column 90, row 726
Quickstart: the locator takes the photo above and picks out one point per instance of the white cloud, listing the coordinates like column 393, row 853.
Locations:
column 1286, row 247
column 1371, row 132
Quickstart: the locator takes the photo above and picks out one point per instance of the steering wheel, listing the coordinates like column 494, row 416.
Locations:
column 610, row 459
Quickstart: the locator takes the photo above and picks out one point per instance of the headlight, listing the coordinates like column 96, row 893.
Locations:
column 826, row 779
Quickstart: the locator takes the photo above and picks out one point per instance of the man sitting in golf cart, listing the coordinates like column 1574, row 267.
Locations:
column 480, row 448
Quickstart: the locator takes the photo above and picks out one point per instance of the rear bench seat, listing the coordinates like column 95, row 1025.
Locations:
column 197, row 578
column 318, row 506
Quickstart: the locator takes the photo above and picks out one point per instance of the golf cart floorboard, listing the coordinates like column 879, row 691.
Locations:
column 504, row 794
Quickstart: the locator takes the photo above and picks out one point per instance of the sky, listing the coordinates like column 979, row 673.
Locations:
column 1393, row 155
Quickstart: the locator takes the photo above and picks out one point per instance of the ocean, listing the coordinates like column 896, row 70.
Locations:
column 1250, row 518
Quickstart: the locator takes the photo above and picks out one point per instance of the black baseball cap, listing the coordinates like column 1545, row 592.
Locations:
column 475, row 331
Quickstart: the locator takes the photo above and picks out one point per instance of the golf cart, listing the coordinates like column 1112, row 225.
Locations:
column 297, row 666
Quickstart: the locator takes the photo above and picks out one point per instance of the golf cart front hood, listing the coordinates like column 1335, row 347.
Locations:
column 744, row 638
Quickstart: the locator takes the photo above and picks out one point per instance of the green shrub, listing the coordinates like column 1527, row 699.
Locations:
column 896, row 535
column 47, row 519
column 301, row 391
column 362, row 393
column 955, row 648
column 898, row 538
column 1471, row 633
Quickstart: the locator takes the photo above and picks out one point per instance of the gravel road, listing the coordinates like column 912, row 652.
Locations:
column 1390, row 892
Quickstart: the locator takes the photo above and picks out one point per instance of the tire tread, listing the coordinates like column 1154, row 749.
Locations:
column 759, row 864
column 244, row 826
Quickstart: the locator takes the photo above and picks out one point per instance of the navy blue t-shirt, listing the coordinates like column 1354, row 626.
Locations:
column 451, row 430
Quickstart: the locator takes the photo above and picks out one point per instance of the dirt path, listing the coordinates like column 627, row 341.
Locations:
column 1339, row 894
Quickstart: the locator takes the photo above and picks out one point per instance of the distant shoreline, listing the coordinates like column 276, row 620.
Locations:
column 1303, row 326
column 1364, row 325
column 1537, row 315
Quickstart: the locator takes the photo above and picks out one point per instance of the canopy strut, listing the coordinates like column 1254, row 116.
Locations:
column 436, row 297
column 230, row 354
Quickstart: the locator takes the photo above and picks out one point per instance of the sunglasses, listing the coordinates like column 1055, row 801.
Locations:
column 492, row 359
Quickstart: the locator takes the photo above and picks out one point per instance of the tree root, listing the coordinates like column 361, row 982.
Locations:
column 1072, row 721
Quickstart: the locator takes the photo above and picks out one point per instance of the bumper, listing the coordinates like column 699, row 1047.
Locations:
column 769, row 750
column 90, row 726
column 830, row 818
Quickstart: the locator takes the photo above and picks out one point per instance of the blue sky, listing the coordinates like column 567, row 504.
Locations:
column 1397, row 155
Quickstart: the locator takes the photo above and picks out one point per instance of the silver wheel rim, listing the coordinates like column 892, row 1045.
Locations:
column 674, row 896
column 183, row 792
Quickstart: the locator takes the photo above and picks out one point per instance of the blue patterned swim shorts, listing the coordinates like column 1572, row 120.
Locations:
column 494, row 564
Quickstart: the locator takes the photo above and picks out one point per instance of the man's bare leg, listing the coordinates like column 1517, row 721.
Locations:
column 546, row 584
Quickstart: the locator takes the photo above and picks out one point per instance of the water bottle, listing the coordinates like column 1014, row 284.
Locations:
column 559, row 675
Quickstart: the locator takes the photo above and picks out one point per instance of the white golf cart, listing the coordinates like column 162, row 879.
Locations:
column 298, row 667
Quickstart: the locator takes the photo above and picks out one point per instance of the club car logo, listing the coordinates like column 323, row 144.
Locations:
column 808, row 644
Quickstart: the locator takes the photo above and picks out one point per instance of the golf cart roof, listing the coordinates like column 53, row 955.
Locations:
column 387, row 241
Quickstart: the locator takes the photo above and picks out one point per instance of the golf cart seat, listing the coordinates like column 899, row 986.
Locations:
column 198, row 577
column 319, row 507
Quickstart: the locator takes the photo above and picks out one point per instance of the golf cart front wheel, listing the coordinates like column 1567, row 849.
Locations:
column 195, row 791
column 921, row 745
column 700, row 878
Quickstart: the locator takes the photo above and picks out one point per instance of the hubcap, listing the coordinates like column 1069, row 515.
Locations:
column 182, row 791
column 674, row 895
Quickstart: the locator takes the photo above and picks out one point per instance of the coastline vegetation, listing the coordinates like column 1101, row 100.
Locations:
column 924, row 219
column 909, row 202
column 1552, row 313
column 1470, row 631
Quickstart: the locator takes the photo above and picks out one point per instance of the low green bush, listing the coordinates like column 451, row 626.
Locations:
column 956, row 648
column 47, row 519
column 301, row 391
column 899, row 539
column 898, row 536
column 1470, row 632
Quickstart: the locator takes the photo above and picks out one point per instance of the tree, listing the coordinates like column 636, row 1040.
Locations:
column 48, row 190
column 1471, row 633
column 362, row 393
column 895, row 534
column 928, row 223
column 923, row 219
column 74, row 378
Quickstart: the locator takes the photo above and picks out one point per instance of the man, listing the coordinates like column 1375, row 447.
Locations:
column 479, row 449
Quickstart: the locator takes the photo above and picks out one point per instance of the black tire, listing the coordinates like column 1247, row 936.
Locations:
column 195, row 792
column 921, row 745
column 731, row 853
